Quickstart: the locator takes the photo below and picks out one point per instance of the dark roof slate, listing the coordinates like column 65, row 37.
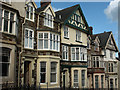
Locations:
column 65, row 13
column 103, row 37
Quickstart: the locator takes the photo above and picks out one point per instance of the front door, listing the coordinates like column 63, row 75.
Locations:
column 27, row 73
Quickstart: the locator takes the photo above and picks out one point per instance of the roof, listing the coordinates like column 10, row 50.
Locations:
column 65, row 13
column 103, row 37
column 38, row 10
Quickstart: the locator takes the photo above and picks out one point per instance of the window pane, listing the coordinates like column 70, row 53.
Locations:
column 30, row 42
column 96, row 82
column 11, row 22
column 40, row 35
column 6, row 16
column 43, row 72
column 50, row 41
column 77, row 53
column 83, row 77
column 75, row 78
column 26, row 41
column 45, row 35
column 73, row 53
column 53, row 71
column 46, row 44
column 40, row 44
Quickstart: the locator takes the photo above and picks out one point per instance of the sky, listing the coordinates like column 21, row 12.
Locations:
column 102, row 16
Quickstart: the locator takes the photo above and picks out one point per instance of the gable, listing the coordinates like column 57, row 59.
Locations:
column 31, row 3
column 77, row 20
column 111, row 44
column 49, row 10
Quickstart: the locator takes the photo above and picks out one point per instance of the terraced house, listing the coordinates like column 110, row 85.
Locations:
column 102, row 62
column 47, row 49
column 74, row 32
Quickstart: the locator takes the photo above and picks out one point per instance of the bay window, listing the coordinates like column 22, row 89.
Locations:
column 8, row 21
column 29, row 38
column 42, row 72
column 29, row 12
column 76, row 82
column 53, row 73
column 65, row 52
column 48, row 20
column 78, row 54
column 48, row 41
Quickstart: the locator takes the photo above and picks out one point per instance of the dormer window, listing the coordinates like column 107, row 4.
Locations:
column 48, row 20
column 29, row 13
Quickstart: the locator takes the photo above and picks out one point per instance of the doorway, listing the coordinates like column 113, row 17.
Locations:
column 27, row 73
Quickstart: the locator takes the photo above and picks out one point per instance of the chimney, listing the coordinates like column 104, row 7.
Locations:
column 91, row 30
column 45, row 2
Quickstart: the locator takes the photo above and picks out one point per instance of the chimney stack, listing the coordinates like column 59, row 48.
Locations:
column 45, row 2
column 91, row 30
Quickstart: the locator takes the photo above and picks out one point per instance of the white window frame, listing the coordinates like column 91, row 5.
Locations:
column 65, row 51
column 82, row 54
column 102, row 82
column 82, row 77
column 78, row 36
column 77, row 79
column 28, row 38
column 53, row 72
column 96, row 80
column 48, row 21
column 14, row 22
column 95, row 57
column 9, row 62
column 44, row 72
column 66, row 30
column 28, row 6
column 57, row 42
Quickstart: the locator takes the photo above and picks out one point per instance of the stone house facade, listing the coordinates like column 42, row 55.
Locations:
column 43, row 48
column 102, row 62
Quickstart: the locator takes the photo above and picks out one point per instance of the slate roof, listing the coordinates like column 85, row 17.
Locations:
column 65, row 13
column 103, row 37
column 38, row 10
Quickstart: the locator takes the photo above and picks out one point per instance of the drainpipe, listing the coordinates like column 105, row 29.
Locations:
column 20, row 54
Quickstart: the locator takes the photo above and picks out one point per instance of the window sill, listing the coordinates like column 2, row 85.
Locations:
column 53, row 83
column 78, row 41
column 8, row 33
column 47, row 50
column 28, row 48
column 29, row 19
column 66, row 38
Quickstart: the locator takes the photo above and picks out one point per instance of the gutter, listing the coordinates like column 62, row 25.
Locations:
column 20, row 54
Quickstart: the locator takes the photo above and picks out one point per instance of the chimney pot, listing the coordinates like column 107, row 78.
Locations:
column 91, row 30
column 45, row 2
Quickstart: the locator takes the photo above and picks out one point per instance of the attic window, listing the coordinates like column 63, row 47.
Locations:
column 60, row 16
column 29, row 12
column 48, row 20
